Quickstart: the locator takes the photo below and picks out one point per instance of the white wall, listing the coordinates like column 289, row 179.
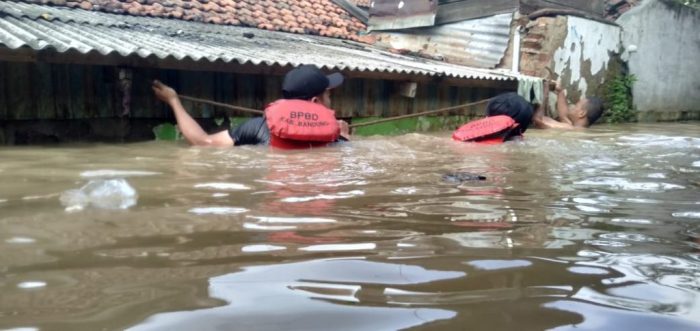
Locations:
column 667, row 57
column 587, row 42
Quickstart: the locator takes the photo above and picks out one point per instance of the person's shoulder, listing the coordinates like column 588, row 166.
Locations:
column 550, row 123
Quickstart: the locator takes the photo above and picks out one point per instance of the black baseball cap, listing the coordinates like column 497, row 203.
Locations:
column 307, row 81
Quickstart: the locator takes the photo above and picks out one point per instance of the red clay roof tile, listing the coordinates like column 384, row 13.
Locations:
column 316, row 17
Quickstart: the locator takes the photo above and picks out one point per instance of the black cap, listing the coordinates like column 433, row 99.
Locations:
column 307, row 81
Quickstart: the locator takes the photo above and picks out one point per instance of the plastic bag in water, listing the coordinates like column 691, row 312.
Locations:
column 102, row 194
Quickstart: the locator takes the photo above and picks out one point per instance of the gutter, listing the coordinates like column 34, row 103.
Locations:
column 354, row 10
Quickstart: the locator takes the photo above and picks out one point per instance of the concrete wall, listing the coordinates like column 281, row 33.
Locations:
column 579, row 52
column 666, row 36
column 585, row 55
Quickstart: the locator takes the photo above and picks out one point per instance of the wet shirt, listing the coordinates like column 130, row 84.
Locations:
column 256, row 132
column 252, row 132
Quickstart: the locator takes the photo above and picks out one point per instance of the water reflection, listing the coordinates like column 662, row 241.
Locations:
column 309, row 296
column 585, row 230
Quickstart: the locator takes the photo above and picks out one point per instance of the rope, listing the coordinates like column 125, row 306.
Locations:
column 223, row 105
column 388, row 119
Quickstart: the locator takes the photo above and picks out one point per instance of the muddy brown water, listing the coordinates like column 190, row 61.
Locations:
column 587, row 230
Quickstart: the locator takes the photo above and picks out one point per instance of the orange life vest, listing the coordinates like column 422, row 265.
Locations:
column 489, row 130
column 296, row 124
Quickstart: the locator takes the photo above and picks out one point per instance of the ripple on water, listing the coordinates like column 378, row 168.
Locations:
column 607, row 243
column 687, row 214
column 340, row 247
column 639, row 221
column 20, row 240
column 587, row 270
column 223, row 186
column 292, row 220
column 306, row 296
column 625, row 184
column 491, row 265
column 217, row 210
column 31, row 284
column 110, row 173
column 341, row 195
column 262, row 248
column 654, row 140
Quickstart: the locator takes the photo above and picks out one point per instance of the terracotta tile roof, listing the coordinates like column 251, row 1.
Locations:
column 314, row 17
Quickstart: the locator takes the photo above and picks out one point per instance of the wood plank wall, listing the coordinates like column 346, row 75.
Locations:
column 35, row 91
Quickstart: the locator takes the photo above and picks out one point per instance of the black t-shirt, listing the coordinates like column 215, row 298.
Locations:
column 256, row 132
column 252, row 132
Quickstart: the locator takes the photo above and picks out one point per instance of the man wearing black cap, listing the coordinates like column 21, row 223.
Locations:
column 305, row 82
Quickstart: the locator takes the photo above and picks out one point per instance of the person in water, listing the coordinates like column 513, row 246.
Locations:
column 580, row 115
column 302, row 119
column 508, row 115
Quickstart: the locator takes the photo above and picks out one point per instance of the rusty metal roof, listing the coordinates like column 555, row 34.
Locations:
column 480, row 43
column 63, row 29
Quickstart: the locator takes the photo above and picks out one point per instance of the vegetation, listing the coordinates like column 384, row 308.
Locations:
column 619, row 99
column 692, row 3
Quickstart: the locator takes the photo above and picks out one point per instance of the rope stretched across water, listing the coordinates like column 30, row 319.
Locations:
column 222, row 105
column 388, row 119
column 429, row 112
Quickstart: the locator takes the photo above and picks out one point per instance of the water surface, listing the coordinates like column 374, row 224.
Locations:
column 568, row 230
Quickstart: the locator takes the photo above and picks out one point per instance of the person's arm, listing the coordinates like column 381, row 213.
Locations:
column 344, row 129
column 190, row 129
column 562, row 105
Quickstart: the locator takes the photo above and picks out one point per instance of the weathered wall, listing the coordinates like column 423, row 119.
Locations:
column 42, row 102
column 585, row 55
column 666, row 61
column 541, row 39
column 578, row 51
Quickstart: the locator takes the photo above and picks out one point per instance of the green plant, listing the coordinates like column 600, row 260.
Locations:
column 167, row 131
column 619, row 99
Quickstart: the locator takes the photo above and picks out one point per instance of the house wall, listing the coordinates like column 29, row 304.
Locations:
column 585, row 55
column 41, row 102
column 665, row 36
column 578, row 51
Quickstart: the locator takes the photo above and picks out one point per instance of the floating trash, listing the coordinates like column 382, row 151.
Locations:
column 101, row 194
column 459, row 177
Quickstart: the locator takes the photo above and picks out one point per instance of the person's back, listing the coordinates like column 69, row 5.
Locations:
column 508, row 117
column 302, row 119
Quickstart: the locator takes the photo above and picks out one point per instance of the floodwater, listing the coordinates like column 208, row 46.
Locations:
column 593, row 230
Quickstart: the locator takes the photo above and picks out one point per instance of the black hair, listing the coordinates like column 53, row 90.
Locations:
column 514, row 106
column 594, row 109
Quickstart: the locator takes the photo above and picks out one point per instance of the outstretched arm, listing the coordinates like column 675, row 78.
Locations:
column 542, row 121
column 562, row 105
column 194, row 133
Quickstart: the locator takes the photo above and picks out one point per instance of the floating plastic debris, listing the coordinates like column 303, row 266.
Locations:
column 102, row 194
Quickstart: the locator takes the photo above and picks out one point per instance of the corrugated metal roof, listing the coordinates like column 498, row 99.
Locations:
column 480, row 43
column 43, row 27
